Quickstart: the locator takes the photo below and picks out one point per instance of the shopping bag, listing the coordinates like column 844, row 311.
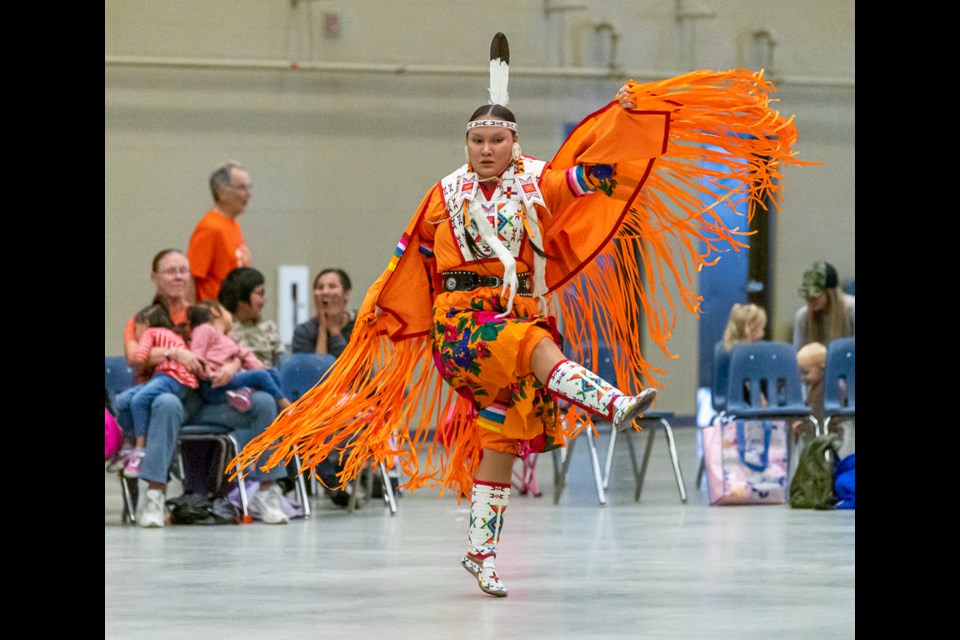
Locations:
column 746, row 461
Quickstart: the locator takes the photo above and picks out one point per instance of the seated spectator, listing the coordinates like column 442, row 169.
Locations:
column 746, row 323
column 243, row 293
column 168, row 413
column 231, row 371
column 170, row 275
column 329, row 330
column 169, row 376
column 829, row 312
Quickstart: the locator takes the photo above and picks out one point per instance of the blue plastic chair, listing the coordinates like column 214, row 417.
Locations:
column 118, row 377
column 839, row 381
column 720, row 382
column 718, row 392
column 765, row 382
column 299, row 372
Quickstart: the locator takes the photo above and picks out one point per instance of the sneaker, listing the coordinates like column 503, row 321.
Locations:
column 119, row 459
column 630, row 408
column 132, row 468
column 267, row 503
column 239, row 399
column 152, row 511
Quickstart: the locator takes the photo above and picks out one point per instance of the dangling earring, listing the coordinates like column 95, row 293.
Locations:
column 466, row 153
column 516, row 151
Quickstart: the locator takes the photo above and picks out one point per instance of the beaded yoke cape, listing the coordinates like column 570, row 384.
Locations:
column 692, row 142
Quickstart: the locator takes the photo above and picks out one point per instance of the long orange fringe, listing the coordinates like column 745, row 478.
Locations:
column 382, row 398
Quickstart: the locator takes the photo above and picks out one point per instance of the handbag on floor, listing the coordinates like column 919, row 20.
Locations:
column 746, row 461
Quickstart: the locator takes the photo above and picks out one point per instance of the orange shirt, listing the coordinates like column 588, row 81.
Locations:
column 216, row 248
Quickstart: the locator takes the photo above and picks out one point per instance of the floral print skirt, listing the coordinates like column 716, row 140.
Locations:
column 482, row 356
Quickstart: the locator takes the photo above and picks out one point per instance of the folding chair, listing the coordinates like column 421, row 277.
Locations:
column 651, row 420
column 604, row 368
column 561, row 464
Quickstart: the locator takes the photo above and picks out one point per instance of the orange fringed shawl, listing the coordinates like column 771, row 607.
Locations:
column 383, row 396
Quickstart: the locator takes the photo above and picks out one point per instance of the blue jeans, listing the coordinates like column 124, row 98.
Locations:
column 259, row 379
column 122, row 407
column 146, row 393
column 169, row 412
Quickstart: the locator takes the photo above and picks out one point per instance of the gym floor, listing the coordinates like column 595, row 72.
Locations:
column 575, row 568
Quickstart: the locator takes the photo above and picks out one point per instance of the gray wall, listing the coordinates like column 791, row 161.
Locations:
column 341, row 154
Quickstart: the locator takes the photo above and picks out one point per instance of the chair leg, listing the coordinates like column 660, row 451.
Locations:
column 701, row 467
column 642, row 473
column 245, row 517
column 674, row 458
column 672, row 446
column 561, row 465
column 595, row 463
column 130, row 496
column 561, row 461
column 301, row 487
column 181, row 469
column 388, row 496
column 608, row 466
column 633, row 458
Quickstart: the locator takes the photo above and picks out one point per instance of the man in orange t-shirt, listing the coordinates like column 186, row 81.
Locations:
column 217, row 245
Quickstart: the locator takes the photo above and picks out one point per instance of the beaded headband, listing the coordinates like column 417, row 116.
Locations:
column 492, row 123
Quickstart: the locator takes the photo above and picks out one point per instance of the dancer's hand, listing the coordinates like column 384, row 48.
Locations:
column 624, row 97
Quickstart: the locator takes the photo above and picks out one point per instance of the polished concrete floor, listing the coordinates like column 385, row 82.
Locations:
column 576, row 569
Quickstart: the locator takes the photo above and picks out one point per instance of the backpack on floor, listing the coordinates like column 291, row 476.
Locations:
column 812, row 484
column 191, row 508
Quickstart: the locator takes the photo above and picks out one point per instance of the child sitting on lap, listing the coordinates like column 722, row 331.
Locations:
column 231, row 370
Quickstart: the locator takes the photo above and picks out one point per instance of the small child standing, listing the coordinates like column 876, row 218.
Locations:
column 169, row 376
column 211, row 342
